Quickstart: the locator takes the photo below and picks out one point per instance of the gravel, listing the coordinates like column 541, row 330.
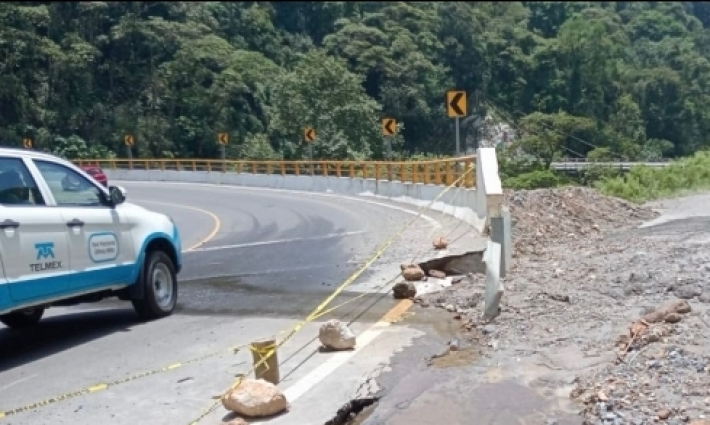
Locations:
column 584, row 274
column 545, row 217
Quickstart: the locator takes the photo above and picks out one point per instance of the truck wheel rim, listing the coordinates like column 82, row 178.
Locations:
column 162, row 285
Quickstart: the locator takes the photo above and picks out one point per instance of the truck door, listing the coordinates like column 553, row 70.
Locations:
column 33, row 237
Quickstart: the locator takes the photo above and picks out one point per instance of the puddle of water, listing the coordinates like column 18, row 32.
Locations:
column 448, row 328
column 459, row 358
column 445, row 326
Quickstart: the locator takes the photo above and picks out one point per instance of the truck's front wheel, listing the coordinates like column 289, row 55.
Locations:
column 160, row 286
column 23, row 318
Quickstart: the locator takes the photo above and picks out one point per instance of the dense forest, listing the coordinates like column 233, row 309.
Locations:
column 599, row 79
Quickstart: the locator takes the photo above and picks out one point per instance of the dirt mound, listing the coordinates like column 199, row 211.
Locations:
column 545, row 217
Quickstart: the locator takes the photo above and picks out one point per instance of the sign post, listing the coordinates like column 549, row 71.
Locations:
column 457, row 107
column 389, row 129
column 309, row 136
column 129, row 141
column 223, row 139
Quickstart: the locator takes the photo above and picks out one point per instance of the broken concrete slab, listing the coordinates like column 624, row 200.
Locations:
column 432, row 285
column 469, row 262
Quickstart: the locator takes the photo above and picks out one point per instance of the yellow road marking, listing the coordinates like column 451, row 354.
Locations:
column 396, row 312
column 99, row 387
column 217, row 222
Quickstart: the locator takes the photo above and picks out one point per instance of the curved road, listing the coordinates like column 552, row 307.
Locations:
column 261, row 260
column 265, row 246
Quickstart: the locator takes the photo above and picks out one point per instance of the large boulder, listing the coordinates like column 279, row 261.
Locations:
column 336, row 335
column 255, row 398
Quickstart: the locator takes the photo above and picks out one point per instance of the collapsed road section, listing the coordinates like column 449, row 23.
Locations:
column 602, row 322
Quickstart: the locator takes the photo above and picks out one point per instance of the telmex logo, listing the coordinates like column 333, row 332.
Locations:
column 44, row 250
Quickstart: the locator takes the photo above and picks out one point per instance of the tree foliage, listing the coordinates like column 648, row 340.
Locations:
column 610, row 79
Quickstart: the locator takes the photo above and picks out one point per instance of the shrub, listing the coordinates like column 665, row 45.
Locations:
column 643, row 183
column 535, row 180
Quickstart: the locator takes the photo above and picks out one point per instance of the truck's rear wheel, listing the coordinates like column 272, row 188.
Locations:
column 160, row 286
column 23, row 318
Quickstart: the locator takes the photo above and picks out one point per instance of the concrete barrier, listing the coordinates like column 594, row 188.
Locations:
column 482, row 207
column 472, row 204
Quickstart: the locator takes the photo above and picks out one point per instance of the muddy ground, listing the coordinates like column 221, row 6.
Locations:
column 585, row 272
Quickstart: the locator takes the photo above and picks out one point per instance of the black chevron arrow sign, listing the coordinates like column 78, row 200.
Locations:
column 456, row 103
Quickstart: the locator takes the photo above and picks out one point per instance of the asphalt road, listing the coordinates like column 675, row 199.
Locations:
column 271, row 258
column 274, row 253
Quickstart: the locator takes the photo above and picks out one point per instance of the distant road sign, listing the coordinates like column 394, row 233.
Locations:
column 309, row 134
column 389, row 126
column 223, row 138
column 128, row 140
column 27, row 143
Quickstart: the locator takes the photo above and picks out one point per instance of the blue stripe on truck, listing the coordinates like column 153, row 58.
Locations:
column 32, row 290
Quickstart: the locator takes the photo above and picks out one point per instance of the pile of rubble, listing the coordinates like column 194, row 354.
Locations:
column 543, row 217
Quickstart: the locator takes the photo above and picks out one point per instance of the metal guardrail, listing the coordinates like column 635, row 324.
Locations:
column 623, row 166
column 613, row 161
column 438, row 172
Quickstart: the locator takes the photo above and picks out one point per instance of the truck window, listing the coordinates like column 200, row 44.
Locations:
column 17, row 187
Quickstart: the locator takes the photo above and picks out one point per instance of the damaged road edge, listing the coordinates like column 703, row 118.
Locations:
column 485, row 261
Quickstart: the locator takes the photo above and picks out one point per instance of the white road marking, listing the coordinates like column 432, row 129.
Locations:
column 335, row 360
column 278, row 241
column 12, row 384
column 299, row 192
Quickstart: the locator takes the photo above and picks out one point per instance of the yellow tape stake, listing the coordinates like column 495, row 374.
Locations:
column 262, row 352
column 315, row 313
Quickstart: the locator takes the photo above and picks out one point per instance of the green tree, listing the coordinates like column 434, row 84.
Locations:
column 547, row 135
column 322, row 93
column 174, row 74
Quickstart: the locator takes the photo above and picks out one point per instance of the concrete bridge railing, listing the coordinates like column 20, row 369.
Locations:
column 477, row 198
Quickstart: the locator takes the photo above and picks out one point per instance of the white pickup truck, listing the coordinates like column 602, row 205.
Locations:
column 65, row 239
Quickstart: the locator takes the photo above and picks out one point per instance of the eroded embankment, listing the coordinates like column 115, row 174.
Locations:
column 585, row 283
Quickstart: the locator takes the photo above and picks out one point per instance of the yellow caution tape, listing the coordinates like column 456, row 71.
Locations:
column 317, row 311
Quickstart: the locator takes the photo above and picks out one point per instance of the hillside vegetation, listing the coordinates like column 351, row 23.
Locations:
column 609, row 79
